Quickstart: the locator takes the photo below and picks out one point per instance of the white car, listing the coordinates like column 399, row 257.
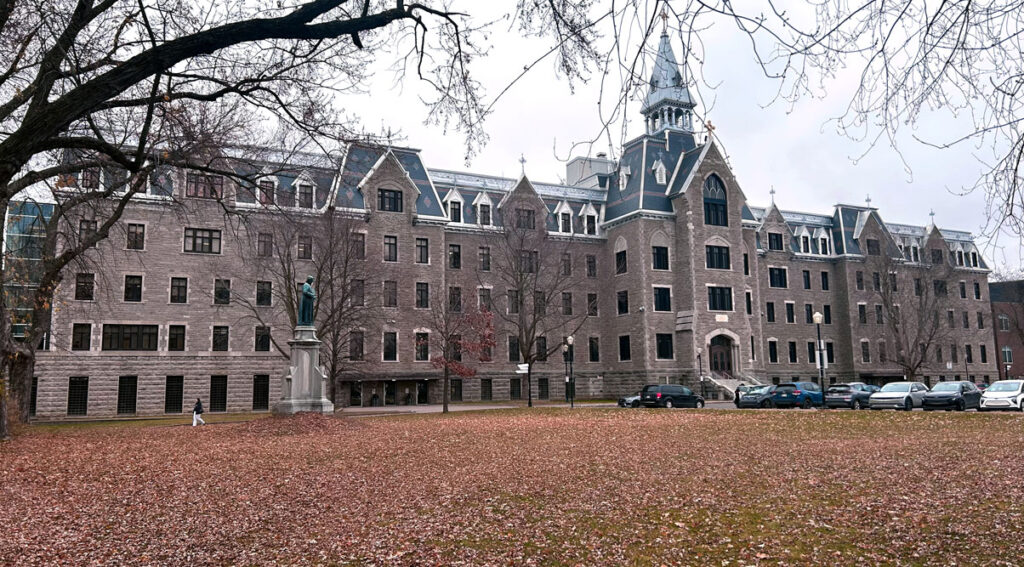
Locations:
column 1003, row 395
column 899, row 395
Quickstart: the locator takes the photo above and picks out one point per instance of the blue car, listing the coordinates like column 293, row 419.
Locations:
column 797, row 395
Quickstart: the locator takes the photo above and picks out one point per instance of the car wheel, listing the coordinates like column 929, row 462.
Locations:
column 634, row 404
column 668, row 404
column 766, row 404
column 699, row 404
column 806, row 404
column 908, row 404
column 856, row 405
column 960, row 405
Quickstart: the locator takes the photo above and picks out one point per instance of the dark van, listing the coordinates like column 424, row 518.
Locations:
column 670, row 396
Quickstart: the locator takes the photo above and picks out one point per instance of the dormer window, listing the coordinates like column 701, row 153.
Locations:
column 566, row 223
column 805, row 244
column 305, row 191
column 915, row 253
column 660, row 173
column 623, row 177
column 455, row 211
column 974, row 259
column 390, row 200
column 959, row 257
column 266, row 191
column 204, row 186
column 591, row 225
column 89, row 178
column 823, row 247
column 483, row 215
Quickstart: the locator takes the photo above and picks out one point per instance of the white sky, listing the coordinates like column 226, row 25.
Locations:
column 793, row 149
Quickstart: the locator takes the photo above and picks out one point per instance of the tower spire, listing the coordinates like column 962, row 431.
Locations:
column 668, row 104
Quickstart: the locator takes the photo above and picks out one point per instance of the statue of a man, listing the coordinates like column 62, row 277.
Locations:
column 306, row 303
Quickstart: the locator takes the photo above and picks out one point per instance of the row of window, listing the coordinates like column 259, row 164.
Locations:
column 936, row 353
column 174, row 389
column 779, row 278
column 85, row 290
column 812, row 352
column 117, row 337
column 826, row 312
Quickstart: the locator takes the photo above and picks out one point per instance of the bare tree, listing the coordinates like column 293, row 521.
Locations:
column 914, row 300
column 458, row 334
column 537, row 273
column 283, row 249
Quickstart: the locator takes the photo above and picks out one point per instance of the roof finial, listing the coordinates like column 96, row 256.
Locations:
column 664, row 19
column 868, row 199
column 931, row 213
column 772, row 193
column 522, row 163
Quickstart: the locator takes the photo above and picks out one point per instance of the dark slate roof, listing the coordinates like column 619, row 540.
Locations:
column 361, row 158
column 667, row 82
column 689, row 161
column 1006, row 292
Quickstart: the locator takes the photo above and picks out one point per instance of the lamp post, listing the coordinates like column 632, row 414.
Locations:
column 700, row 373
column 1007, row 373
column 570, row 380
column 817, row 317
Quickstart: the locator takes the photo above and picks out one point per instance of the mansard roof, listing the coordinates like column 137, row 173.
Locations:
column 360, row 159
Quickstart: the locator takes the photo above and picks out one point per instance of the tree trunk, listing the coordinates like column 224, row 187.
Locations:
column 529, row 385
column 21, row 371
column 444, row 392
column 5, row 432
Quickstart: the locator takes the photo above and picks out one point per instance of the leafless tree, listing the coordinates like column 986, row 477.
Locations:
column 535, row 273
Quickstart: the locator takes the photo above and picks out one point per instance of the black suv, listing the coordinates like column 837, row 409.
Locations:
column 670, row 396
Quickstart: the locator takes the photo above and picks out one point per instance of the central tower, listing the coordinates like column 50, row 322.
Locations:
column 668, row 104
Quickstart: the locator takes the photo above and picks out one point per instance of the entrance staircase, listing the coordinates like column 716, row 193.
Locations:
column 729, row 382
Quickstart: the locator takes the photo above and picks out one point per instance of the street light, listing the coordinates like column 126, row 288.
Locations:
column 700, row 371
column 570, row 380
column 818, row 318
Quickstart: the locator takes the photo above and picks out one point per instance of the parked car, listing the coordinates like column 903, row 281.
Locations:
column 982, row 386
column 797, row 394
column 854, row 395
column 1003, row 395
column 670, row 396
column 899, row 395
column 742, row 390
column 757, row 397
column 952, row 395
column 630, row 401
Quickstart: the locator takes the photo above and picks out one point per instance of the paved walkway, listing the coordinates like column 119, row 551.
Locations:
column 436, row 408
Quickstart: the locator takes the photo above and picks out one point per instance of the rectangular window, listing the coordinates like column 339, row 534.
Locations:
column 746, row 265
column 773, row 352
column 540, row 303
column 662, row 299
column 963, row 290
column 264, row 293
column 455, row 256
column 526, row 218
column 541, row 349
column 620, row 262
column 812, row 354
column 485, row 259
column 204, row 186
column 878, row 314
column 486, row 390
column 830, row 353
column 770, row 311
column 176, row 338
column 455, row 299
column 85, row 286
column 266, row 191
column 305, row 196
column 390, row 200
column 660, row 257
column 528, row 261
column 1004, row 323
column 827, row 314
column 89, row 178
column 515, row 302
column 390, row 248
column 543, row 391
column 357, row 293
column 717, row 257
column 873, row 248
column 664, row 348
column 130, row 337
column 876, row 281
column 777, row 277
column 86, row 230
column 133, row 288
column 515, row 388
column 260, row 392
column 966, row 320
column 358, row 245
column 918, row 289
column 422, row 251
column 750, row 304
column 591, row 225
column 455, row 211
column 566, row 264
column 865, row 351
column 983, row 354
column 981, row 320
column 624, row 350
column 484, row 216
column 807, row 279
column 792, row 352
column 422, row 346
column 1007, row 355
column 824, row 281
column 715, row 212
column 305, row 247
column 860, row 281
column 954, row 353
column 483, row 298
column 218, row 394
column 390, row 351
column 622, row 302
column 968, row 354
column 179, row 290
column 422, row 295
column 221, row 292
column 594, row 344
column 81, row 336
column 220, row 339
column 513, row 349
column 720, row 299
column 566, row 303
column 805, row 244
column 202, row 241
column 591, row 266
column 790, row 312
column 808, row 313
column 78, row 395
column 174, row 390
column 136, row 237
column 390, row 293
column 591, row 305
column 775, row 241
column 566, row 223
column 823, row 246
column 862, row 313
column 977, row 291
column 265, row 245
column 936, row 256
column 262, row 341
column 356, row 341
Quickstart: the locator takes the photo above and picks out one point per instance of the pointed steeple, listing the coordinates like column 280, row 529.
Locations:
column 668, row 103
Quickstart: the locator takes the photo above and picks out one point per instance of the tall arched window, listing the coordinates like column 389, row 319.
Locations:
column 715, row 211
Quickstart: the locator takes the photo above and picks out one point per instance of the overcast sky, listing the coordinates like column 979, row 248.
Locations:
column 793, row 149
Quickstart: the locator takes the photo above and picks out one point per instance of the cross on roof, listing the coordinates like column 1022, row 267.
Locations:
column 868, row 200
column 772, row 193
column 931, row 214
column 664, row 18
column 522, row 163
column 711, row 127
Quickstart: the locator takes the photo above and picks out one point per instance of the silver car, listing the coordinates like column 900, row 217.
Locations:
column 899, row 395
column 1003, row 395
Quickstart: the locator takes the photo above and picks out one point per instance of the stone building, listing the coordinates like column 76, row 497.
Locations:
column 679, row 277
column 1008, row 317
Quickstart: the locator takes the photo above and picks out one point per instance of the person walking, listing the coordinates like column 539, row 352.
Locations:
column 197, row 413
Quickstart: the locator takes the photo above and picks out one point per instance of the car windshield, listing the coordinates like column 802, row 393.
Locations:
column 896, row 387
column 758, row 390
column 946, row 387
column 838, row 389
column 1005, row 386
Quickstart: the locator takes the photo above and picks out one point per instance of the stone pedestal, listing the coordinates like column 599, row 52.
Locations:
column 303, row 388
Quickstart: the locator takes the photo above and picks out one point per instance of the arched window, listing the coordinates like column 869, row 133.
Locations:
column 715, row 212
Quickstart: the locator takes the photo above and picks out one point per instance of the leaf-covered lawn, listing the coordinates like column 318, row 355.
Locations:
column 542, row 486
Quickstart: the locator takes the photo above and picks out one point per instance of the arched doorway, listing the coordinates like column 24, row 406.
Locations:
column 721, row 354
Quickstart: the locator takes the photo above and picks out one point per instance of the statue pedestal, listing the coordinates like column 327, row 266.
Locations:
column 303, row 388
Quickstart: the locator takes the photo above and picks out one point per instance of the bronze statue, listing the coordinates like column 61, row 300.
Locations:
column 306, row 303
